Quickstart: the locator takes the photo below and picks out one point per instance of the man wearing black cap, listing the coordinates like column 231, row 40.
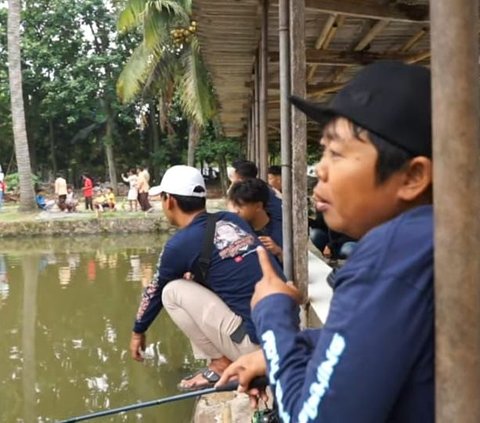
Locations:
column 373, row 361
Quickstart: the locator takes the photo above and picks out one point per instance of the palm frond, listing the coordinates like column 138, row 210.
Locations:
column 162, row 75
column 131, row 16
column 196, row 94
column 135, row 73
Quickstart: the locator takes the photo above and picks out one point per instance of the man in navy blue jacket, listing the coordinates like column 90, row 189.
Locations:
column 373, row 361
column 250, row 198
column 214, row 314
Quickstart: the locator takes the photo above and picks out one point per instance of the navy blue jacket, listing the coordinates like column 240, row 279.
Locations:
column 373, row 361
column 234, row 269
column 274, row 207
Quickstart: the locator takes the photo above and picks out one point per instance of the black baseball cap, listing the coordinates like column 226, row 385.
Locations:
column 390, row 99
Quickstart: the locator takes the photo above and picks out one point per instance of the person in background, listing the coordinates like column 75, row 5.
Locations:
column 71, row 200
column 61, row 191
column 143, row 187
column 3, row 190
column 250, row 199
column 245, row 169
column 88, row 191
column 42, row 202
column 132, row 195
column 274, row 179
column 373, row 360
column 110, row 199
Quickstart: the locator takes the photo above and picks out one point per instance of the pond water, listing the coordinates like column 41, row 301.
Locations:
column 66, row 313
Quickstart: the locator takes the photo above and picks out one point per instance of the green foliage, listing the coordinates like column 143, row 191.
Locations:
column 13, row 182
column 211, row 147
column 72, row 56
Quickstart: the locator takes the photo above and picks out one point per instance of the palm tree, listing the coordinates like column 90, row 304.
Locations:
column 168, row 60
column 27, row 199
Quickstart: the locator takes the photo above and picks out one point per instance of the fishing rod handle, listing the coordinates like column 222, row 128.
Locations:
column 260, row 382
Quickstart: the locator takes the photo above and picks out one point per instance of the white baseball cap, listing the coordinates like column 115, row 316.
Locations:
column 182, row 180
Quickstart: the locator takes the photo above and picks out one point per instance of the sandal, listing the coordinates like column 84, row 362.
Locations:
column 211, row 378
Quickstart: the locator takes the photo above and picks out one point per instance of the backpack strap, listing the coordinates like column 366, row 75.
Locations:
column 202, row 265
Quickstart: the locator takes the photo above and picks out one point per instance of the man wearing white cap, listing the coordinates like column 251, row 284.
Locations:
column 215, row 313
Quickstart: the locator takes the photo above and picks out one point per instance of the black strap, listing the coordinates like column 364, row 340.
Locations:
column 202, row 265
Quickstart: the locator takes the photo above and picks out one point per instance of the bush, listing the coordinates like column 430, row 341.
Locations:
column 13, row 182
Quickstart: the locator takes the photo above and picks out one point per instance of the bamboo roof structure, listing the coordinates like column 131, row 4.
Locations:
column 341, row 36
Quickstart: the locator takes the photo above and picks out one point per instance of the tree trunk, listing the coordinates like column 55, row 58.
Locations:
column 51, row 135
column 193, row 138
column 108, row 142
column 222, row 167
column 27, row 198
column 155, row 138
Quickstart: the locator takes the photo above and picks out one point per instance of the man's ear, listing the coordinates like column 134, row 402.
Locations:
column 417, row 180
column 170, row 202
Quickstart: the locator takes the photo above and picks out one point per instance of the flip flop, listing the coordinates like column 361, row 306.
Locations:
column 211, row 378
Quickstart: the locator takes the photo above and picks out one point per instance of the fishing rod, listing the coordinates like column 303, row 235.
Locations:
column 258, row 382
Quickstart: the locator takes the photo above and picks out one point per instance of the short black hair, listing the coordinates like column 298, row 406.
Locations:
column 249, row 191
column 245, row 168
column 390, row 157
column 275, row 170
column 188, row 204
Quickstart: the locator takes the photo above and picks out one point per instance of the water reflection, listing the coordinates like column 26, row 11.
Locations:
column 66, row 313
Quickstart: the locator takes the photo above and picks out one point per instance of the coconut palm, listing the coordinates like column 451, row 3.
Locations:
column 168, row 59
column 27, row 199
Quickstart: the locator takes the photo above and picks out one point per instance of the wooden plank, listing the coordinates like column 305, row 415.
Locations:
column 371, row 10
column 376, row 29
column 346, row 58
column 299, row 148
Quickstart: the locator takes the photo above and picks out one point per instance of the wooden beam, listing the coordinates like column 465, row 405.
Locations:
column 324, row 34
column 418, row 57
column 414, row 40
column 349, row 58
column 376, row 29
column 371, row 10
column 321, row 40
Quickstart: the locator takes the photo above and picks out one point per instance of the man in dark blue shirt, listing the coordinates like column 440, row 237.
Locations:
column 250, row 199
column 373, row 361
column 245, row 169
column 216, row 317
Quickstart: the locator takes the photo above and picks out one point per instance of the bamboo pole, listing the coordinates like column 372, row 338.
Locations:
column 249, row 136
column 456, row 152
column 263, row 147
column 286, row 135
column 299, row 148
column 257, row 110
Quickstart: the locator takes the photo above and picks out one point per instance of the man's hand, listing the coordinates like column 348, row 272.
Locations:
column 270, row 245
column 245, row 369
column 137, row 345
column 270, row 282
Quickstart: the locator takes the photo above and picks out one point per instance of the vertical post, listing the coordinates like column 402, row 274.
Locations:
column 263, row 150
column 456, row 153
column 286, row 135
column 249, row 136
column 299, row 147
column 257, row 110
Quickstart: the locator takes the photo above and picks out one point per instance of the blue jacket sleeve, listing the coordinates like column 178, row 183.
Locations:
column 353, row 369
column 171, row 265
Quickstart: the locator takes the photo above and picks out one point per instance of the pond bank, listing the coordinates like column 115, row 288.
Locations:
column 86, row 223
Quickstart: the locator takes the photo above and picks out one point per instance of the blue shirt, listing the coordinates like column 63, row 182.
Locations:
column 373, row 361
column 234, row 269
